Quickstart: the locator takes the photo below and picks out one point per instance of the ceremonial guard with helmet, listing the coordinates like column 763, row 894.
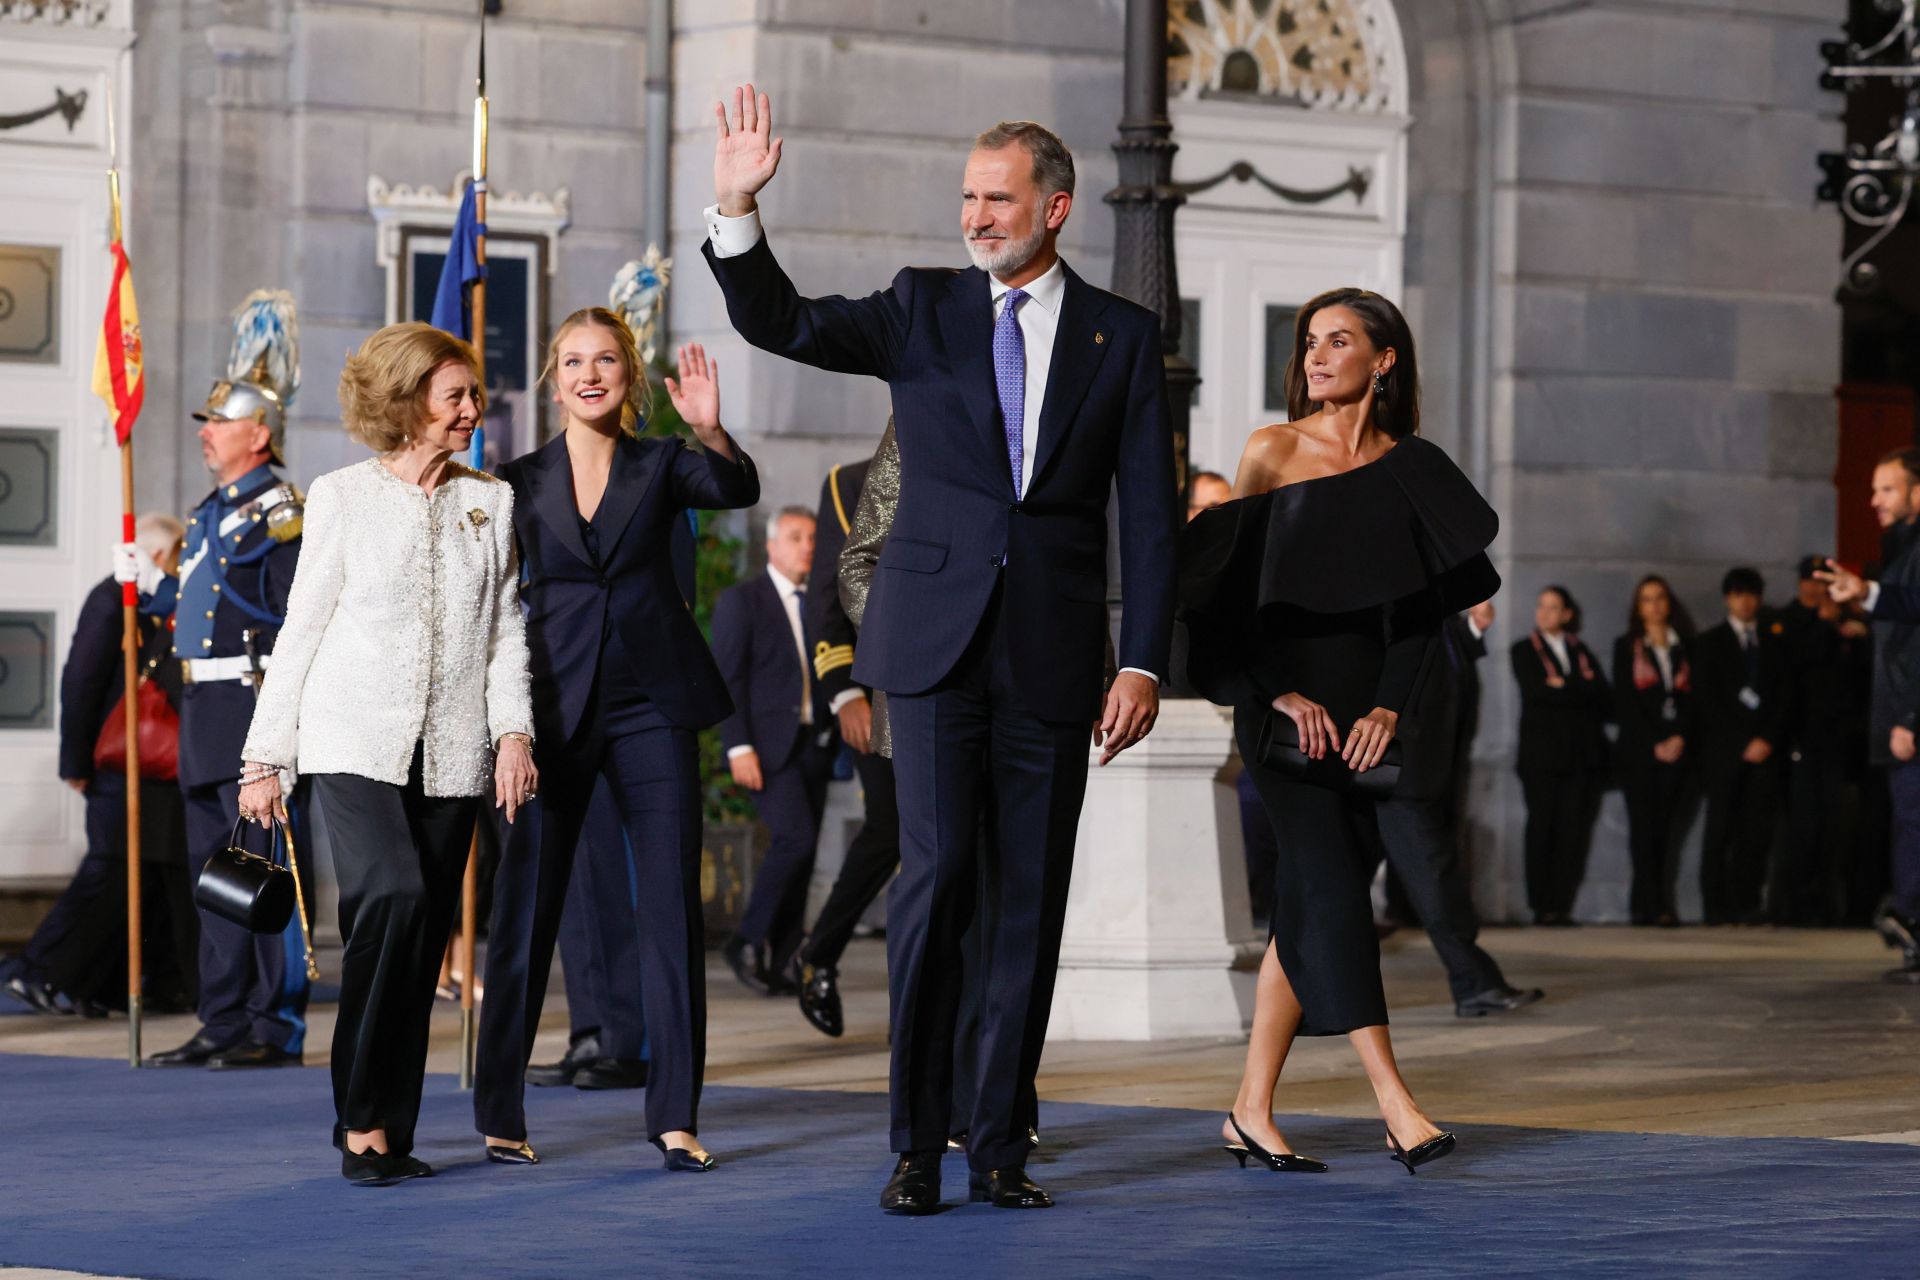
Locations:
column 242, row 544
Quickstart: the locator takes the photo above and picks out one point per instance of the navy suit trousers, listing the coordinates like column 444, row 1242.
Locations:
column 653, row 776
column 969, row 750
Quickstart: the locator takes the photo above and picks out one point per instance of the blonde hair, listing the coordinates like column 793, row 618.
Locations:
column 383, row 389
column 638, row 406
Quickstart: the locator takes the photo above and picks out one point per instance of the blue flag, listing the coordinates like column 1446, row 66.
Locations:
column 450, row 310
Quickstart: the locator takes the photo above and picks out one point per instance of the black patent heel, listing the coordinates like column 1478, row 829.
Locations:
column 1277, row 1161
column 1432, row 1149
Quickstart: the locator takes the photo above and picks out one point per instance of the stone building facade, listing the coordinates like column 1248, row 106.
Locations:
column 1597, row 214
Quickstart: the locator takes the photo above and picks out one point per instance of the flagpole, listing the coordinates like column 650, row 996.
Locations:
column 130, row 642
column 469, row 883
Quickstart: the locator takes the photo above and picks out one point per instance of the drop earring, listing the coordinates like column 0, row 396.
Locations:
column 1379, row 383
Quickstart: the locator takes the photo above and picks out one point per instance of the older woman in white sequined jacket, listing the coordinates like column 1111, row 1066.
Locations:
column 398, row 689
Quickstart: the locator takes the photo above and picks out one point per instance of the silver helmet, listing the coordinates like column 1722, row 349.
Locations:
column 263, row 368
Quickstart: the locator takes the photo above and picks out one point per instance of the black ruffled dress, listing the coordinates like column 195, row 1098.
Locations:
column 1333, row 588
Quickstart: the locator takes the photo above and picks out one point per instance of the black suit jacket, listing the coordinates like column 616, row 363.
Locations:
column 960, row 534
column 1726, row 723
column 753, row 641
column 1437, row 722
column 830, row 632
column 572, row 604
column 1641, row 713
column 1561, row 730
column 95, row 676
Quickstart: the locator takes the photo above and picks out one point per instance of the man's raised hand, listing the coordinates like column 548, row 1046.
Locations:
column 745, row 154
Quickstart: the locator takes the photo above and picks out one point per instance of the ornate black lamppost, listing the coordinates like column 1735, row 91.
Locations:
column 1144, row 268
column 1874, row 184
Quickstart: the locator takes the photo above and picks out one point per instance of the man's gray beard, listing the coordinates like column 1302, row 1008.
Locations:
column 1008, row 256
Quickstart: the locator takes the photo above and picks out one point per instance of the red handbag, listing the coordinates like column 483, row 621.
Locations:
column 158, row 729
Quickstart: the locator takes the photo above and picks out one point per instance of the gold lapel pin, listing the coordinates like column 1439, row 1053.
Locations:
column 1099, row 338
column 478, row 517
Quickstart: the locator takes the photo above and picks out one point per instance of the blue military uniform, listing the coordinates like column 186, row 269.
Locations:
column 242, row 545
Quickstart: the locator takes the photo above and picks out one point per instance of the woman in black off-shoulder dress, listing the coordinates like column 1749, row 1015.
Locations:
column 1313, row 604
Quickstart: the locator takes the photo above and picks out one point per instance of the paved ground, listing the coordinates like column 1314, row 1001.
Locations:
column 1747, row 1032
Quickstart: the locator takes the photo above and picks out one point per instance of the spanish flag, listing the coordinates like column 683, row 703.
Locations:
column 118, row 360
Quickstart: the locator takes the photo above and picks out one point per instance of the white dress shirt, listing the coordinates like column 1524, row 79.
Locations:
column 1663, row 658
column 1558, row 643
column 1039, row 321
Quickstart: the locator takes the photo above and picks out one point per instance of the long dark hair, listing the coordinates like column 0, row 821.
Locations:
column 1396, row 407
column 1677, row 617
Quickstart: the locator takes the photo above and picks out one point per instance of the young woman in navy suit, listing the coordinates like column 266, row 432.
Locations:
column 622, row 683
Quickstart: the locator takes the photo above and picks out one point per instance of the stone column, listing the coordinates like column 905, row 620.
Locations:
column 1159, row 942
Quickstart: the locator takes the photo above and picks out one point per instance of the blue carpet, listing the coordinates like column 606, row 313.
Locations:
column 167, row 1173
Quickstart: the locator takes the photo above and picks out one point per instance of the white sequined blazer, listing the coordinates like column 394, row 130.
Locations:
column 403, row 626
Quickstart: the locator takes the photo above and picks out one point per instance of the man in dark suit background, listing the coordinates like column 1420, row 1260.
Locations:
column 775, row 748
column 874, row 852
column 1894, row 605
column 1023, row 398
column 1420, row 833
column 1746, row 704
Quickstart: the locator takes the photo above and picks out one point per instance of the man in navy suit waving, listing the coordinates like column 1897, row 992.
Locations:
column 1023, row 397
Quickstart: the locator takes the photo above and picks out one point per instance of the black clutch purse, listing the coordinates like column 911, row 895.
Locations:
column 1278, row 748
column 246, row 888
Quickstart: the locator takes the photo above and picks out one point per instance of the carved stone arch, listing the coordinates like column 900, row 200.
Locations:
column 1341, row 55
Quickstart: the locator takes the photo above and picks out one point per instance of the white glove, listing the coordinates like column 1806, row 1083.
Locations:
column 126, row 562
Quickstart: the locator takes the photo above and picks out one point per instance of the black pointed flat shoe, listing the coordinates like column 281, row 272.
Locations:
column 681, row 1160
column 519, row 1153
column 379, row 1169
column 1432, row 1149
column 1278, row 1161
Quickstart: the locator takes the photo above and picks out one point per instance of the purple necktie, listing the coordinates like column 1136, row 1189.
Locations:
column 1010, row 374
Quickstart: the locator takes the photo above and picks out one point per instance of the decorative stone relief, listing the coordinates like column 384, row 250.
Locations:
column 1339, row 55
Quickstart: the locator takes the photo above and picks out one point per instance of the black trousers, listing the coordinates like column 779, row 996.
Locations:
column 252, row 986
column 1417, row 839
column 398, row 855
column 653, row 776
column 600, row 938
column 970, row 743
column 1742, row 809
column 1561, row 808
column 873, row 855
column 1656, row 796
column 81, row 947
column 1807, row 885
column 790, row 803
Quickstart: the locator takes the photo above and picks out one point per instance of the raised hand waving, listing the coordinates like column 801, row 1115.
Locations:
column 745, row 154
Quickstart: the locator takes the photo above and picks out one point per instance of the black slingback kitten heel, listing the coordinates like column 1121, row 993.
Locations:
column 1432, row 1149
column 1278, row 1161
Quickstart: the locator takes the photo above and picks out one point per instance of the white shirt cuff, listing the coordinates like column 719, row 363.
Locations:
column 1139, row 672
column 732, row 237
column 1872, row 597
column 843, row 697
column 738, row 751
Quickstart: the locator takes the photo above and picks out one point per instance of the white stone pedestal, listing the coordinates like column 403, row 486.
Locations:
column 1159, row 943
